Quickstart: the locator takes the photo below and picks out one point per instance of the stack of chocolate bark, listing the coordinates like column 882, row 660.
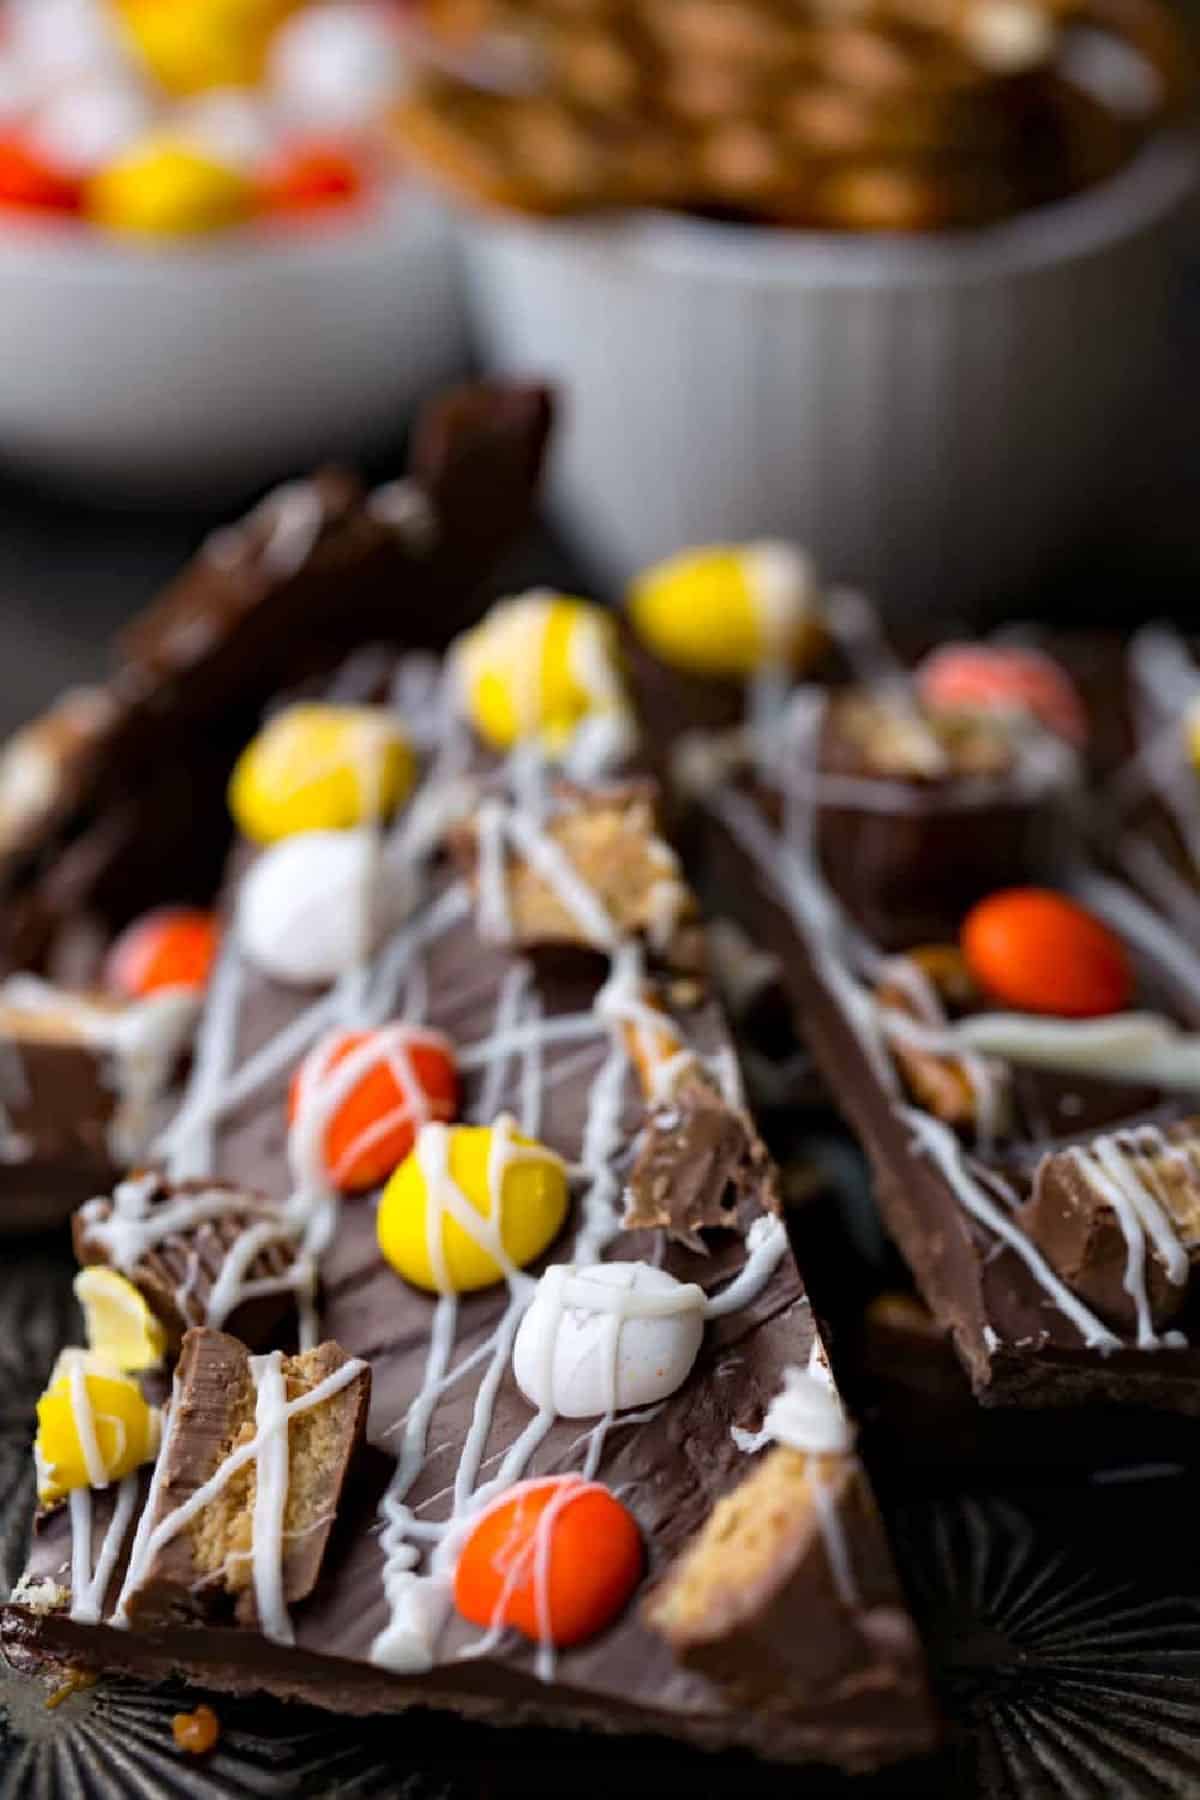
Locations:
column 445, row 1345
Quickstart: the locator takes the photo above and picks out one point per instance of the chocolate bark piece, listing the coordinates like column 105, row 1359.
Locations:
column 595, row 869
column 922, row 814
column 539, row 1037
column 37, row 763
column 953, row 1208
column 83, row 1081
column 772, row 1559
column 180, row 1242
column 204, row 1571
column 57, row 1109
column 1073, row 1218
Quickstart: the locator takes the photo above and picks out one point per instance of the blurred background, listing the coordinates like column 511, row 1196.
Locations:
column 916, row 282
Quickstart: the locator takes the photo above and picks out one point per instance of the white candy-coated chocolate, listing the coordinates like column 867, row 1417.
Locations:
column 607, row 1337
column 337, row 66
column 230, row 125
column 58, row 39
column 313, row 905
column 85, row 126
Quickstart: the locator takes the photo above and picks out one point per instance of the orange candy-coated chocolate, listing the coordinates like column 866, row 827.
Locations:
column 556, row 1559
column 409, row 1079
column 1038, row 951
column 996, row 677
column 172, row 947
column 28, row 180
column 196, row 1732
column 312, row 176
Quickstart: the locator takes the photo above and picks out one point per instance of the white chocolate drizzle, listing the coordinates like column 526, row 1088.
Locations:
column 807, row 1416
column 135, row 1225
column 1121, row 1166
column 90, row 1585
column 939, row 1143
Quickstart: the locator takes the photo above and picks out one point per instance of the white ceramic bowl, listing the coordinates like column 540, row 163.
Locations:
column 196, row 370
column 938, row 418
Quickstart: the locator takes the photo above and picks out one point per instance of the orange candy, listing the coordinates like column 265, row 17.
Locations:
column 407, row 1078
column 174, row 946
column 27, row 180
column 196, row 1732
column 313, row 176
column 555, row 1558
column 1003, row 677
column 1038, row 951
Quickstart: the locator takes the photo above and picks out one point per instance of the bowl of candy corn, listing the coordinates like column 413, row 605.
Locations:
column 213, row 265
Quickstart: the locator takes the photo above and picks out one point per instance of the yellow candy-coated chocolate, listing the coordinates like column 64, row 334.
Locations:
column 321, row 768
column 189, row 45
column 126, row 1428
column 532, row 1197
column 120, row 1325
column 728, row 610
column 1192, row 730
column 536, row 666
column 164, row 189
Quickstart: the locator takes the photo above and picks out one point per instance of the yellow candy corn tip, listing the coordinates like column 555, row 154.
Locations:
column 475, row 1160
column 118, row 1322
column 127, row 1430
column 728, row 610
column 161, row 188
column 536, row 666
column 189, row 45
column 321, row 768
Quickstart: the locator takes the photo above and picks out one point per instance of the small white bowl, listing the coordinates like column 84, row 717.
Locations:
column 938, row 417
column 196, row 370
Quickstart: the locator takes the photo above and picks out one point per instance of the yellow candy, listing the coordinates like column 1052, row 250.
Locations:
column 1192, row 731
column 320, row 768
column 127, row 1431
column 537, row 666
column 188, row 45
column 164, row 189
column 729, row 610
column 119, row 1324
column 476, row 1161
